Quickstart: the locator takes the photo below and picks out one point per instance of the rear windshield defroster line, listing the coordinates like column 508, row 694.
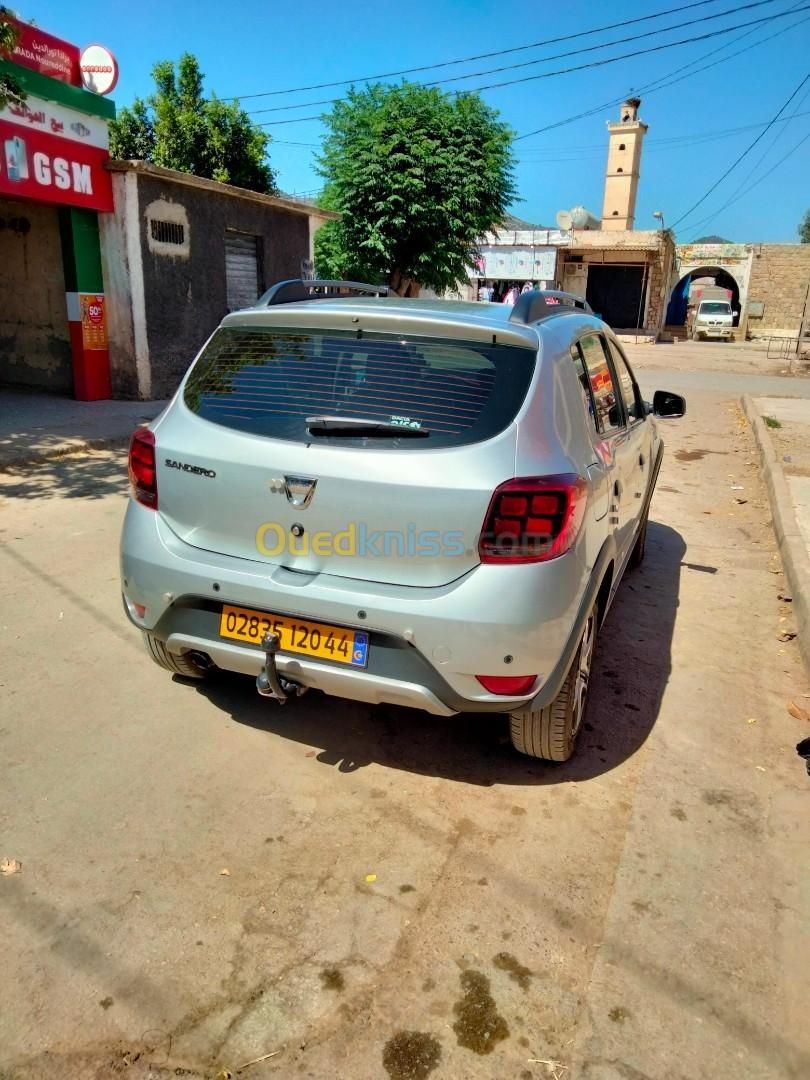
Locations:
column 268, row 380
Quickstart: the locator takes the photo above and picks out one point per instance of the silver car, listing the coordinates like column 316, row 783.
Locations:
column 418, row 502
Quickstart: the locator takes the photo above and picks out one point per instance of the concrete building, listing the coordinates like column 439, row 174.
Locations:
column 767, row 283
column 54, row 190
column 637, row 279
column 624, row 273
column 112, row 274
column 180, row 252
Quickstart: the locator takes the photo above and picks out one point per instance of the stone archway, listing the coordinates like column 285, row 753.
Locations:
column 716, row 275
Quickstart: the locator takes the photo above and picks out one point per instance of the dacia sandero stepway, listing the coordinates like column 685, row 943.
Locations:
column 421, row 502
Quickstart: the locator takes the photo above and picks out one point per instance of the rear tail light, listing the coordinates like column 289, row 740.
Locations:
column 510, row 685
column 142, row 470
column 533, row 519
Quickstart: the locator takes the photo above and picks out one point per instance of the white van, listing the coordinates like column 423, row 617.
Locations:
column 713, row 319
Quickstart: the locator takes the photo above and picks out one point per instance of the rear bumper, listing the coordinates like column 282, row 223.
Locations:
column 425, row 644
column 358, row 685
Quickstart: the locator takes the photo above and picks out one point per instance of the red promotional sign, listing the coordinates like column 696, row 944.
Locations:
column 94, row 323
column 46, row 54
column 45, row 167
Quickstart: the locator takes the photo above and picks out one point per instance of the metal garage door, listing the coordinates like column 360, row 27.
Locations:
column 617, row 294
column 242, row 277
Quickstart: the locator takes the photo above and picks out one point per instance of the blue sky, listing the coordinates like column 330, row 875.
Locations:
column 250, row 47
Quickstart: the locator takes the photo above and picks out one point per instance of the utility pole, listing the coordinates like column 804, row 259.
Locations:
column 804, row 327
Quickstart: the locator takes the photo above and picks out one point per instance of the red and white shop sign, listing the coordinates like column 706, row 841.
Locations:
column 48, row 168
column 46, row 54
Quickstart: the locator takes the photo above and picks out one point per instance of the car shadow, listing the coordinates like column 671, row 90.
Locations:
column 632, row 668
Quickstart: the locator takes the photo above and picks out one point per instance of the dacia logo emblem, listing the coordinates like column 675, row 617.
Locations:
column 298, row 489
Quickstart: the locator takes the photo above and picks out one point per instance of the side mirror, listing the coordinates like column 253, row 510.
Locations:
column 667, row 404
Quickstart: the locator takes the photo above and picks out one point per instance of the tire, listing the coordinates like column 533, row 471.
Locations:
column 179, row 665
column 551, row 733
column 640, row 546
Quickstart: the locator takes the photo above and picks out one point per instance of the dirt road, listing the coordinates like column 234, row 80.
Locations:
column 208, row 878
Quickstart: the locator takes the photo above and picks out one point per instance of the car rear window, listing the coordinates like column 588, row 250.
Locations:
column 267, row 381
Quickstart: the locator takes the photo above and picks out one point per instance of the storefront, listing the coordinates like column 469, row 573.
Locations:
column 513, row 256
column 53, row 186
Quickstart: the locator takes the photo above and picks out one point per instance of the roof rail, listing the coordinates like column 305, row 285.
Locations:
column 296, row 289
column 539, row 304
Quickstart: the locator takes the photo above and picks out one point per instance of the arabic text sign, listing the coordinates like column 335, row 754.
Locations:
column 38, row 115
column 46, row 54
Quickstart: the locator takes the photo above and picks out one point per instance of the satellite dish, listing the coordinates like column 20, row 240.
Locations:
column 565, row 220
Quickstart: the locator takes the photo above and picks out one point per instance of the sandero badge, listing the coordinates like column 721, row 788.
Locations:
column 197, row 470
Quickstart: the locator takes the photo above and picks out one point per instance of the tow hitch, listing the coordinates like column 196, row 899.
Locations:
column 269, row 682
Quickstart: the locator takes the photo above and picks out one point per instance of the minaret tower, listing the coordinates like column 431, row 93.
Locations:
column 623, row 165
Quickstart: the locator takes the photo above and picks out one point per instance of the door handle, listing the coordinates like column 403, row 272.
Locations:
column 641, row 460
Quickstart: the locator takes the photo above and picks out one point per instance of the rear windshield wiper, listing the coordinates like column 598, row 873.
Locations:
column 358, row 425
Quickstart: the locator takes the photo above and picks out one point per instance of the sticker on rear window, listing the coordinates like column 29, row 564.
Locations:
column 405, row 421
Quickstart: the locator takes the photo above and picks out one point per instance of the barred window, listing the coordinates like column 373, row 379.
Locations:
column 167, row 232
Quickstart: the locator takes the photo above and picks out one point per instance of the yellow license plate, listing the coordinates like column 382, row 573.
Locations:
column 295, row 635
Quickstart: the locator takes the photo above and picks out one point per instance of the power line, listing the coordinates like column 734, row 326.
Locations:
column 744, row 154
column 672, row 142
column 639, row 52
column 712, row 217
column 478, row 56
column 584, row 151
column 744, row 186
column 567, row 71
column 673, row 77
column 561, row 56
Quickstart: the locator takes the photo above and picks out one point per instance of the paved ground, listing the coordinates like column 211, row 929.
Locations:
column 403, row 892
column 36, row 426
column 789, row 430
column 714, row 356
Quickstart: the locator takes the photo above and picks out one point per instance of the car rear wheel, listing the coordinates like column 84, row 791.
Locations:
column 184, row 665
column 551, row 733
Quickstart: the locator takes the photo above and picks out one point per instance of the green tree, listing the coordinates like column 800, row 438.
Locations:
column 804, row 228
column 418, row 176
column 179, row 128
column 10, row 89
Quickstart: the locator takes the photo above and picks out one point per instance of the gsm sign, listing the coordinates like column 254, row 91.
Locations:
column 63, row 174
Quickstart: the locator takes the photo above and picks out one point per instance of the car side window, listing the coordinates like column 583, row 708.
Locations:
column 585, row 387
column 609, row 417
column 633, row 404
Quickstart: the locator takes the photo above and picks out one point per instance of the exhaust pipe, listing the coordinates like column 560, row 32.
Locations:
column 269, row 683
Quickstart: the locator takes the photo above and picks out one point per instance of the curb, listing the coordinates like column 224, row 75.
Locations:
column 791, row 543
column 59, row 450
